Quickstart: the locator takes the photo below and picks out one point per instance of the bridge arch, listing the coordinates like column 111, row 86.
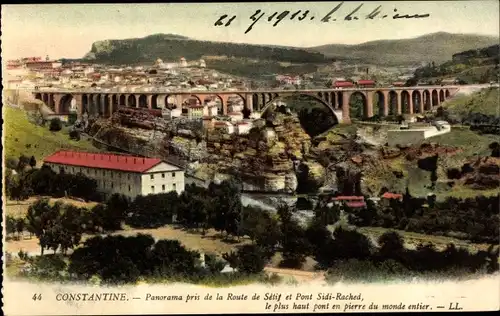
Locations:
column 447, row 93
column 314, row 97
column 114, row 103
column 393, row 102
column 85, row 104
column 122, row 100
column 38, row 96
column 426, row 96
column 154, row 101
column 97, row 104
column 131, row 101
column 104, row 109
column 435, row 98
column 143, row 101
column 405, row 102
column 219, row 102
column 169, row 102
column 380, row 102
column 65, row 104
column 416, row 97
column 441, row 95
column 358, row 105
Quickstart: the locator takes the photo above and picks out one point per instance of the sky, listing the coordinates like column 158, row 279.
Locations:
column 68, row 30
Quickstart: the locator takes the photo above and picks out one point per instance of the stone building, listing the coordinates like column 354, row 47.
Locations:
column 127, row 175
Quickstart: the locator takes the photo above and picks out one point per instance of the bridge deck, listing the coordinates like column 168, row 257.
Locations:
column 117, row 91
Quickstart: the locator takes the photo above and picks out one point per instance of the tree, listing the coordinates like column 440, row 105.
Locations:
column 115, row 213
column 295, row 245
column 40, row 218
column 318, row 236
column 55, row 125
column 170, row 257
column 152, row 211
column 227, row 205
column 261, row 227
column 249, row 259
column 32, row 162
column 391, row 245
column 351, row 244
column 71, row 227
column 20, row 224
column 74, row 135
column 22, row 163
column 10, row 225
column 43, row 181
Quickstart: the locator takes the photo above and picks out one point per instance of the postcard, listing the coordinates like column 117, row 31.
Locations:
column 273, row 157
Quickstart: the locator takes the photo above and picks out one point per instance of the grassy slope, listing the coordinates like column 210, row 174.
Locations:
column 19, row 133
column 437, row 47
column 485, row 101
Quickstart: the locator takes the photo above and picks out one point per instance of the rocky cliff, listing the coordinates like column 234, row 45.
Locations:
column 264, row 160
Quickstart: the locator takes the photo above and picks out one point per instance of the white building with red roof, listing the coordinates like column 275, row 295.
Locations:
column 242, row 128
column 122, row 174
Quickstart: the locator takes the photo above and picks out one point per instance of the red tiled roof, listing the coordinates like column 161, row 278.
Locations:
column 356, row 204
column 103, row 161
column 389, row 195
column 349, row 198
column 343, row 84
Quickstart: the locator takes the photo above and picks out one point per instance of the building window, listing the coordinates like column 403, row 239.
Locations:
column 173, row 174
column 95, row 172
column 174, row 187
column 163, row 175
column 112, row 185
column 152, row 176
column 104, row 172
column 128, row 177
column 129, row 188
column 163, row 187
column 153, row 188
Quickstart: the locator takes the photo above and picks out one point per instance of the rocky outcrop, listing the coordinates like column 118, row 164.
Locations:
column 263, row 159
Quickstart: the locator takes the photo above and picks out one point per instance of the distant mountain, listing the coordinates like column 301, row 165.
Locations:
column 172, row 47
column 436, row 47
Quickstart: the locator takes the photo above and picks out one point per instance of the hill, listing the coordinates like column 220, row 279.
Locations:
column 472, row 66
column 24, row 137
column 173, row 47
column 436, row 47
column 482, row 102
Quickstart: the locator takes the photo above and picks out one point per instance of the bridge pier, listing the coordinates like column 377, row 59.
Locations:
column 346, row 117
column 369, row 104
column 410, row 102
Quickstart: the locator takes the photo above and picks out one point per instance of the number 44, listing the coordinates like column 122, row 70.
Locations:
column 37, row 297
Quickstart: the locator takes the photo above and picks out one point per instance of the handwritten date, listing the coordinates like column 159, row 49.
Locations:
column 332, row 16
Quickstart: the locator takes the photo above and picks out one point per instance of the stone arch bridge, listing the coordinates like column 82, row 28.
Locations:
column 374, row 101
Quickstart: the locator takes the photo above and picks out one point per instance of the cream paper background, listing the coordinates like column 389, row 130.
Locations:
column 475, row 295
